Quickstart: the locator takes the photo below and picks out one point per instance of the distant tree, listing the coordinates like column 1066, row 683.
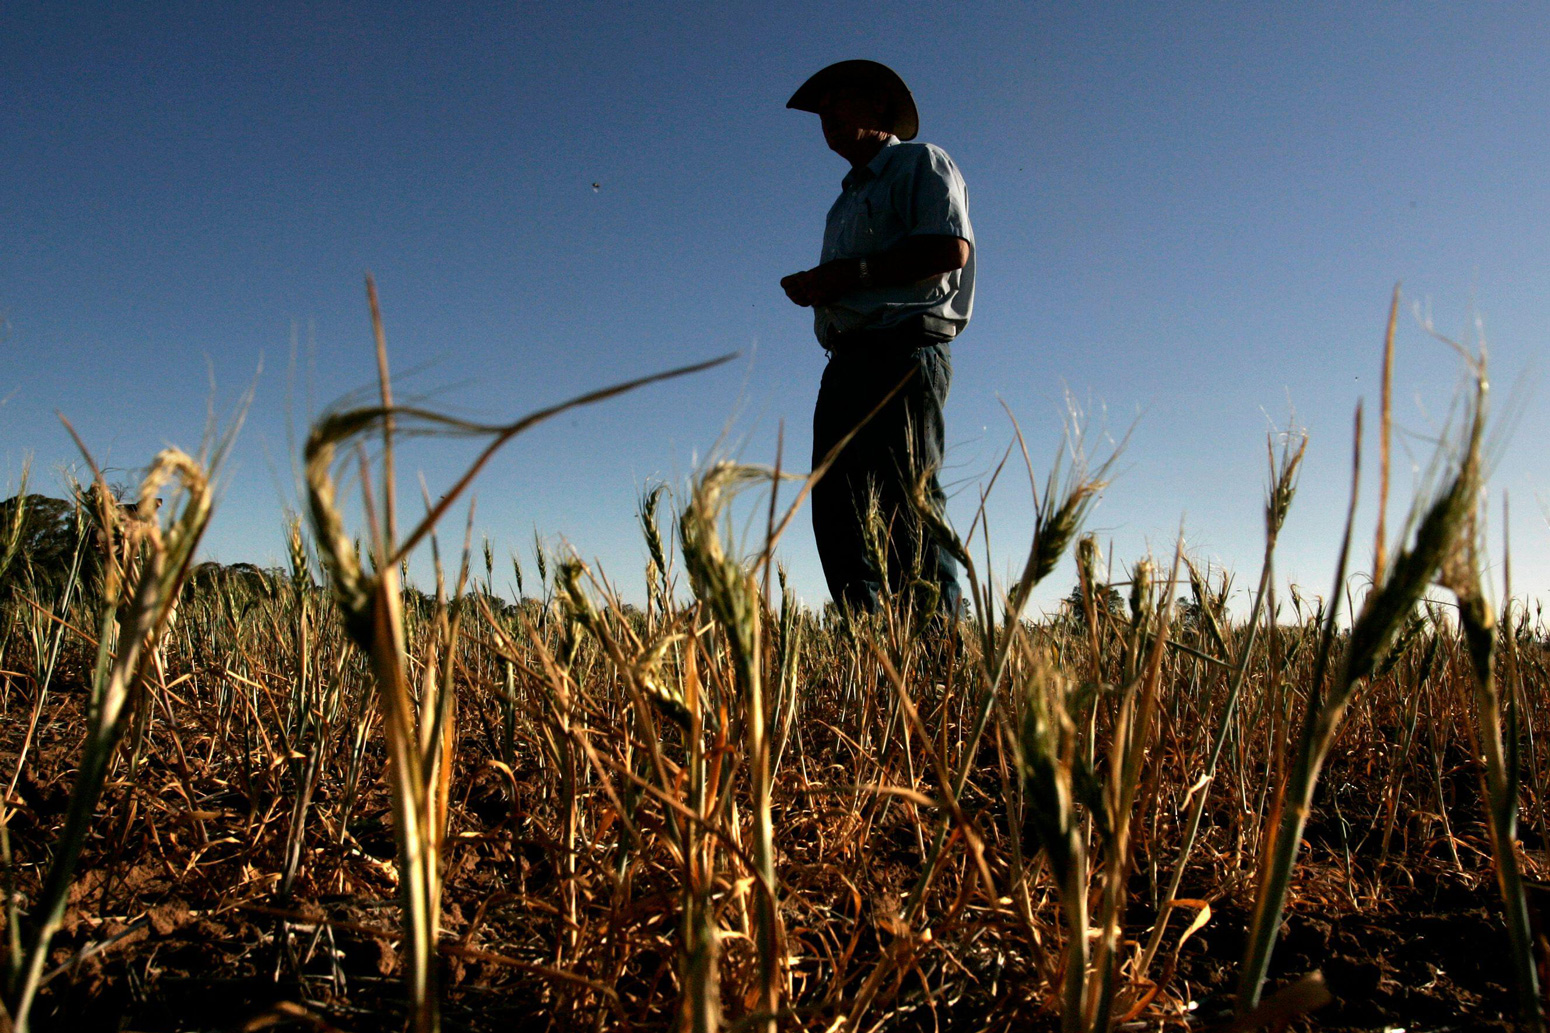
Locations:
column 50, row 533
column 243, row 579
column 634, row 616
column 1108, row 598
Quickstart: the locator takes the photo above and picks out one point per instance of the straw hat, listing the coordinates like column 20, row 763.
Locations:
column 866, row 77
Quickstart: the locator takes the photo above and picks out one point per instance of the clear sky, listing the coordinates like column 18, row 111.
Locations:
column 1189, row 216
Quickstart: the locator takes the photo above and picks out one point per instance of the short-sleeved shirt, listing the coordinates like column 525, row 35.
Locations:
column 908, row 189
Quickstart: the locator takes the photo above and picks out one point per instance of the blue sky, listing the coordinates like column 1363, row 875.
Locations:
column 1190, row 217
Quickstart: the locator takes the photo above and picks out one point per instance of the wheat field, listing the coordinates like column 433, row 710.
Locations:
column 322, row 798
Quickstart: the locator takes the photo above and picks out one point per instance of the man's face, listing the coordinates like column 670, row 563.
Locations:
column 850, row 120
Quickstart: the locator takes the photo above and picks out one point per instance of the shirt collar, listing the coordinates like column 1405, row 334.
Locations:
column 873, row 168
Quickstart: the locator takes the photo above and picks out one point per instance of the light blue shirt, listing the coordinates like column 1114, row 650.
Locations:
column 908, row 189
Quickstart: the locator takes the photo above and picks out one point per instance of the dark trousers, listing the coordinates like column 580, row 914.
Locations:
column 884, row 458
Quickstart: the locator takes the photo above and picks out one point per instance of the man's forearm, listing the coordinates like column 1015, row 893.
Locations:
column 913, row 260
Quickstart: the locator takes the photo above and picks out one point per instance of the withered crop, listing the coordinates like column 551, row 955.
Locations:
column 322, row 799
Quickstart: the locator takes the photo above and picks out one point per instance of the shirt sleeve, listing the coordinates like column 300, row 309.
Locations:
column 938, row 200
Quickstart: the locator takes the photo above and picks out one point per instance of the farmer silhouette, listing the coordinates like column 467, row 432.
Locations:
column 894, row 285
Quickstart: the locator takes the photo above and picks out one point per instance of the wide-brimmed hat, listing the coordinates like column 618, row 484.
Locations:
column 867, row 77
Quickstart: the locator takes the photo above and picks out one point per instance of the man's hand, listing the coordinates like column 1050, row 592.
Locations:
column 824, row 284
column 795, row 287
column 832, row 280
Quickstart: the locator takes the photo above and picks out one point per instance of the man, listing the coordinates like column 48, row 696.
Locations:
column 894, row 285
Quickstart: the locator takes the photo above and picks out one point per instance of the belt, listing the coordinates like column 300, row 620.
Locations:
column 920, row 331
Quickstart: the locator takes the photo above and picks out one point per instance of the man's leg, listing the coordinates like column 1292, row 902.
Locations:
column 837, row 522
column 936, row 375
column 915, row 437
column 905, row 437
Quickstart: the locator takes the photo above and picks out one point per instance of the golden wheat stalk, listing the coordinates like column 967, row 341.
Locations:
column 1397, row 588
column 1278, row 502
column 727, row 588
column 164, row 554
column 372, row 612
column 1461, row 576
